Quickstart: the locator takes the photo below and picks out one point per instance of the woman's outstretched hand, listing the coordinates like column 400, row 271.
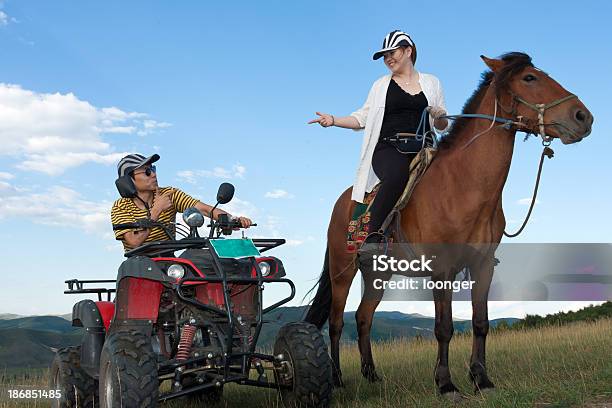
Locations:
column 324, row 119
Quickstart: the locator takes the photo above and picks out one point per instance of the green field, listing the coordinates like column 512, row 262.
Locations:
column 563, row 366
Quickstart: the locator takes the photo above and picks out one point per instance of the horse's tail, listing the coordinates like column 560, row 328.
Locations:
column 318, row 312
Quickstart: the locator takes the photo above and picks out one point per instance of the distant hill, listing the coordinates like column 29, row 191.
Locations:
column 590, row 314
column 52, row 324
column 20, row 348
column 386, row 325
column 4, row 316
column 28, row 341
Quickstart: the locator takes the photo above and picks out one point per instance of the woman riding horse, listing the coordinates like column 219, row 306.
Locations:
column 394, row 105
column 457, row 201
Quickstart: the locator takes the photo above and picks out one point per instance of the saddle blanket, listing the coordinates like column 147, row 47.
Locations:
column 359, row 227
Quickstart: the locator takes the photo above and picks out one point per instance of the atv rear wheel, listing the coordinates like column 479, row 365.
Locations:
column 77, row 388
column 128, row 371
column 305, row 367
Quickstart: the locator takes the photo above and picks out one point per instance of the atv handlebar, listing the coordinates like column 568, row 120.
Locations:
column 225, row 225
column 148, row 223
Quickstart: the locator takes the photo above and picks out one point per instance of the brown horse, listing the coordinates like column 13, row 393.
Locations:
column 458, row 200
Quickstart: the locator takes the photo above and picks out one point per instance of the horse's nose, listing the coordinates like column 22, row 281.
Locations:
column 584, row 118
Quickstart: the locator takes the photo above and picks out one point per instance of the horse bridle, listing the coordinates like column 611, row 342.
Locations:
column 540, row 108
column 518, row 122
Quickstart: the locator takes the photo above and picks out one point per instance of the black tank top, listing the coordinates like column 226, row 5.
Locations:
column 402, row 111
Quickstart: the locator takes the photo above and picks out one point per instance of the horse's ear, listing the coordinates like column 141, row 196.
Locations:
column 494, row 64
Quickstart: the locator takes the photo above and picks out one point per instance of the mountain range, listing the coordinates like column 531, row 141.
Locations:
column 31, row 341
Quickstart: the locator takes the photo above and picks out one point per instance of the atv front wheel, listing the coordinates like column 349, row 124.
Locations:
column 76, row 387
column 128, row 371
column 304, row 369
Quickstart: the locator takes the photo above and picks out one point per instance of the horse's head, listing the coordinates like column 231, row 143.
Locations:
column 544, row 106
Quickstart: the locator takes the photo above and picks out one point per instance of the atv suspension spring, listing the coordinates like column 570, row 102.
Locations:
column 184, row 347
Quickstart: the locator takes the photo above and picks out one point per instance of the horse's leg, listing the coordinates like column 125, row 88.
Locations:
column 364, row 317
column 444, row 332
column 371, row 297
column 342, row 274
column 480, row 326
column 342, row 270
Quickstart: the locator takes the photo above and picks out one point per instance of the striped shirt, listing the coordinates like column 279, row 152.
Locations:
column 125, row 210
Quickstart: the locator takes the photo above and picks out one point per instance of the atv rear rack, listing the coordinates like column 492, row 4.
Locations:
column 76, row 287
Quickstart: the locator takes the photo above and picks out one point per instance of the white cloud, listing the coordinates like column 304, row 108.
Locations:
column 6, row 176
column 56, row 163
column 56, row 206
column 527, row 201
column 191, row 176
column 4, row 19
column 187, row 176
column 150, row 126
column 278, row 193
column 4, row 186
column 51, row 133
column 217, row 172
column 239, row 170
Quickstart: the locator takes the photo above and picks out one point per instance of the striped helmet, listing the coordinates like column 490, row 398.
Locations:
column 393, row 41
column 133, row 161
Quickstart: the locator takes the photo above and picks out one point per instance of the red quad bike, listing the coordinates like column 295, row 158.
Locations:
column 187, row 325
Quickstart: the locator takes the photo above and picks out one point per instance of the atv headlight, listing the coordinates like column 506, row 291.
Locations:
column 176, row 271
column 265, row 268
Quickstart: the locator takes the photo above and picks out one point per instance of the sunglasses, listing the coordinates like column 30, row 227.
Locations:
column 148, row 171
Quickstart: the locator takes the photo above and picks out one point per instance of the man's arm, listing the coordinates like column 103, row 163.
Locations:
column 136, row 238
column 183, row 201
column 207, row 209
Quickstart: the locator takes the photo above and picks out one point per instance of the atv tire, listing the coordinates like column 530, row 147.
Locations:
column 77, row 388
column 128, row 371
column 305, row 366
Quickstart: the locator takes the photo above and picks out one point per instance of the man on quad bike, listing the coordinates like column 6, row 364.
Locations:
column 137, row 172
column 187, row 313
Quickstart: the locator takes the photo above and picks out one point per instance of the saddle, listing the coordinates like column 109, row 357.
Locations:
column 359, row 227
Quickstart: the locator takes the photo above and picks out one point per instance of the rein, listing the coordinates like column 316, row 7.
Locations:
column 548, row 152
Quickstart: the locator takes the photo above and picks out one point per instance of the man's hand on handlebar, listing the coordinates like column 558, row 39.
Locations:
column 244, row 221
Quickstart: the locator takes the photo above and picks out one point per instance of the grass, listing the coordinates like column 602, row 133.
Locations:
column 567, row 366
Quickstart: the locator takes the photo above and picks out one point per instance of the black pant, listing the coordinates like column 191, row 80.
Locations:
column 393, row 170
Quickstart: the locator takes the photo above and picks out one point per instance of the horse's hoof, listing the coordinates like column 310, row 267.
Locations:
column 454, row 396
column 484, row 385
column 369, row 373
column 451, row 393
column 485, row 391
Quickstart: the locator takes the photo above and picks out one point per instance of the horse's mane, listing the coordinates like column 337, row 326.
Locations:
column 514, row 63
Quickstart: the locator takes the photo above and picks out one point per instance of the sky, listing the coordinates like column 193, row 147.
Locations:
column 223, row 91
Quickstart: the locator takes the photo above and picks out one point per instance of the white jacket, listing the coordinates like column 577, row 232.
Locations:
column 370, row 118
